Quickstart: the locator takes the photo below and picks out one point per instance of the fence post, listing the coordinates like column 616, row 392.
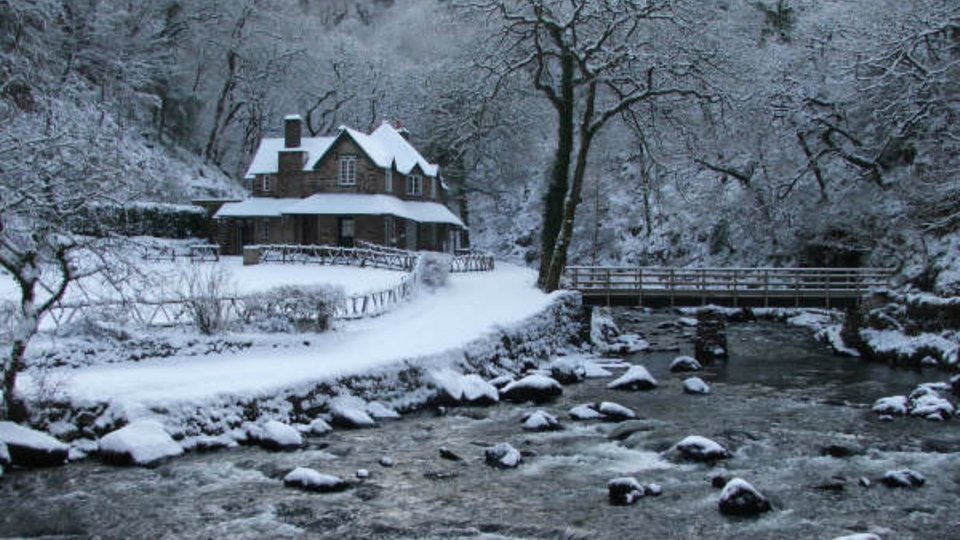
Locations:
column 766, row 287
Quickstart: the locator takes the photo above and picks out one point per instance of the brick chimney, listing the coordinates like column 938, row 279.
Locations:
column 292, row 127
column 404, row 132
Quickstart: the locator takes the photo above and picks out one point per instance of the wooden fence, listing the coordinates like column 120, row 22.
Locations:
column 333, row 255
column 734, row 286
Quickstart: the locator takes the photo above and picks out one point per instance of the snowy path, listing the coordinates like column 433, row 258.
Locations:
column 468, row 307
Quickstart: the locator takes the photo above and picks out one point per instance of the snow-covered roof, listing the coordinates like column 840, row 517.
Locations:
column 255, row 207
column 385, row 146
column 342, row 204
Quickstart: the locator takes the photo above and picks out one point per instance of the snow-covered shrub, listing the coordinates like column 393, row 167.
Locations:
column 294, row 308
column 434, row 269
column 204, row 292
column 99, row 322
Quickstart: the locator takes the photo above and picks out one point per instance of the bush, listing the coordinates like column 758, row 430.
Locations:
column 143, row 219
column 434, row 269
column 204, row 292
column 294, row 308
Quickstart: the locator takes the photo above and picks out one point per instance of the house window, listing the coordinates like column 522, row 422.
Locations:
column 388, row 181
column 433, row 187
column 348, row 170
column 265, row 183
column 414, row 185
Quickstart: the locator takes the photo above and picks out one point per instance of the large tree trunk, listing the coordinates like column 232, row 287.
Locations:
column 553, row 200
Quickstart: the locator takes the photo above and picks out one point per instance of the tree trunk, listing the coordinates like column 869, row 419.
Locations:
column 553, row 200
column 10, row 408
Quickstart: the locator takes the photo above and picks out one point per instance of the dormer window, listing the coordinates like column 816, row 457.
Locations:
column 347, row 175
column 388, row 181
column 414, row 185
column 265, row 183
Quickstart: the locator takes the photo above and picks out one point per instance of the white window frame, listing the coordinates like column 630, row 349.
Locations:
column 265, row 183
column 347, row 170
column 414, row 185
column 388, row 181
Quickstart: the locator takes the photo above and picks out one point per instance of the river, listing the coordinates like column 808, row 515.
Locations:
column 776, row 404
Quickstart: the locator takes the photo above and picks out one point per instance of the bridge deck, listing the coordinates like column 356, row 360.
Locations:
column 755, row 287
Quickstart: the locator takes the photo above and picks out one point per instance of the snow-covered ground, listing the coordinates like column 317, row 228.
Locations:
column 470, row 306
column 168, row 277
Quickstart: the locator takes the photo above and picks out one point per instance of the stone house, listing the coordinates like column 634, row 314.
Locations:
column 339, row 190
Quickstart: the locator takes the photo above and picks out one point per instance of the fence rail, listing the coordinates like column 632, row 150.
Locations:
column 333, row 255
column 736, row 286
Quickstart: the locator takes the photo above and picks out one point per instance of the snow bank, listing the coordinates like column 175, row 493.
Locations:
column 143, row 442
column 894, row 346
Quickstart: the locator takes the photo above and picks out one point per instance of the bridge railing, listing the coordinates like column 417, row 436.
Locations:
column 733, row 283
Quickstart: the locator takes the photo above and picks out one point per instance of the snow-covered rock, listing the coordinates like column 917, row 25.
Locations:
column 312, row 480
column 502, row 456
column 903, row 478
column 274, row 435
column 470, row 389
column 585, row 412
column 540, row 421
column 31, row 448
column 318, row 426
column 697, row 448
column 890, row 405
column 387, row 461
column 378, row 410
column 685, row 363
column 449, row 454
column 536, row 388
column 350, row 413
column 626, row 344
column 501, row 381
column 615, row 412
column 653, row 490
column 603, row 329
column 687, row 321
column 695, row 385
column 739, row 498
column 568, row 370
column 859, row 536
column 930, row 405
column 636, row 378
column 207, row 443
column 142, row 442
column 624, row 491
column 362, row 474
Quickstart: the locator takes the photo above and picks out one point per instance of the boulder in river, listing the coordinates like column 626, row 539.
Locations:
column 274, row 435
column 624, row 491
column 892, row 405
column 312, row 480
column 535, row 388
column 568, row 369
column 903, row 478
column 587, row 411
column 378, row 410
column 502, row 456
column 615, row 412
column 142, row 442
column 470, row 389
column 697, row 448
column 31, row 448
column 540, row 421
column 739, row 498
column 685, row 363
column 695, row 385
column 318, row 426
column 635, row 378
column 350, row 413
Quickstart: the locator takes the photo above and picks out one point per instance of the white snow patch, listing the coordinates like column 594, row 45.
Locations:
column 143, row 441
column 16, row 435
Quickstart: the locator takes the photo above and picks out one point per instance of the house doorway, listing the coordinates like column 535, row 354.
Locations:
column 412, row 240
column 308, row 230
column 347, row 228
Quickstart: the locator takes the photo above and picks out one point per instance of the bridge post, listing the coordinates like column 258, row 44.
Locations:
column 672, row 289
column 736, row 291
column 639, row 286
column 827, row 291
column 766, row 287
column 608, row 287
column 703, row 286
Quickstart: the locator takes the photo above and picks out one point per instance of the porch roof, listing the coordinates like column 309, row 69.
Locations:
column 342, row 204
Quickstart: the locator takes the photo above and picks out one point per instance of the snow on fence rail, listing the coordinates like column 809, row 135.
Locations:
column 335, row 255
column 195, row 252
column 465, row 260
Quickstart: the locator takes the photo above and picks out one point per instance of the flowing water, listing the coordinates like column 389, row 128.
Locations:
column 778, row 401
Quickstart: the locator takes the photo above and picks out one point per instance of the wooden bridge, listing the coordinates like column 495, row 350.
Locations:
column 737, row 287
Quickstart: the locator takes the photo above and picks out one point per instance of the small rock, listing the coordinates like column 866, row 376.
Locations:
column 378, row 410
column 312, row 480
column 652, row 490
column 585, row 412
column 833, row 484
column 206, row 443
column 502, row 456
column 739, row 498
column 859, row 536
column 535, row 388
column 885, row 418
column 695, row 386
column 685, row 363
column 929, row 361
column 718, row 481
column 629, row 427
column 624, row 491
column 839, row 451
column 904, row 478
column 318, row 426
column 636, row 378
column 387, row 462
column 893, row 405
column 446, row 453
column 865, row 482
column 540, row 421
column 687, row 321
column 696, row 448
column 30, row 448
column 568, row 370
column 363, row 473
column 615, row 412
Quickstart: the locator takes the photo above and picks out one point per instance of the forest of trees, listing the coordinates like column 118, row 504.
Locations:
column 636, row 131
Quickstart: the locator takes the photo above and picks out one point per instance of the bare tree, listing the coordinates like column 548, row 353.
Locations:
column 592, row 60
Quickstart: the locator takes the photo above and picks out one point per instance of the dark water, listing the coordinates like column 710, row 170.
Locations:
column 779, row 400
